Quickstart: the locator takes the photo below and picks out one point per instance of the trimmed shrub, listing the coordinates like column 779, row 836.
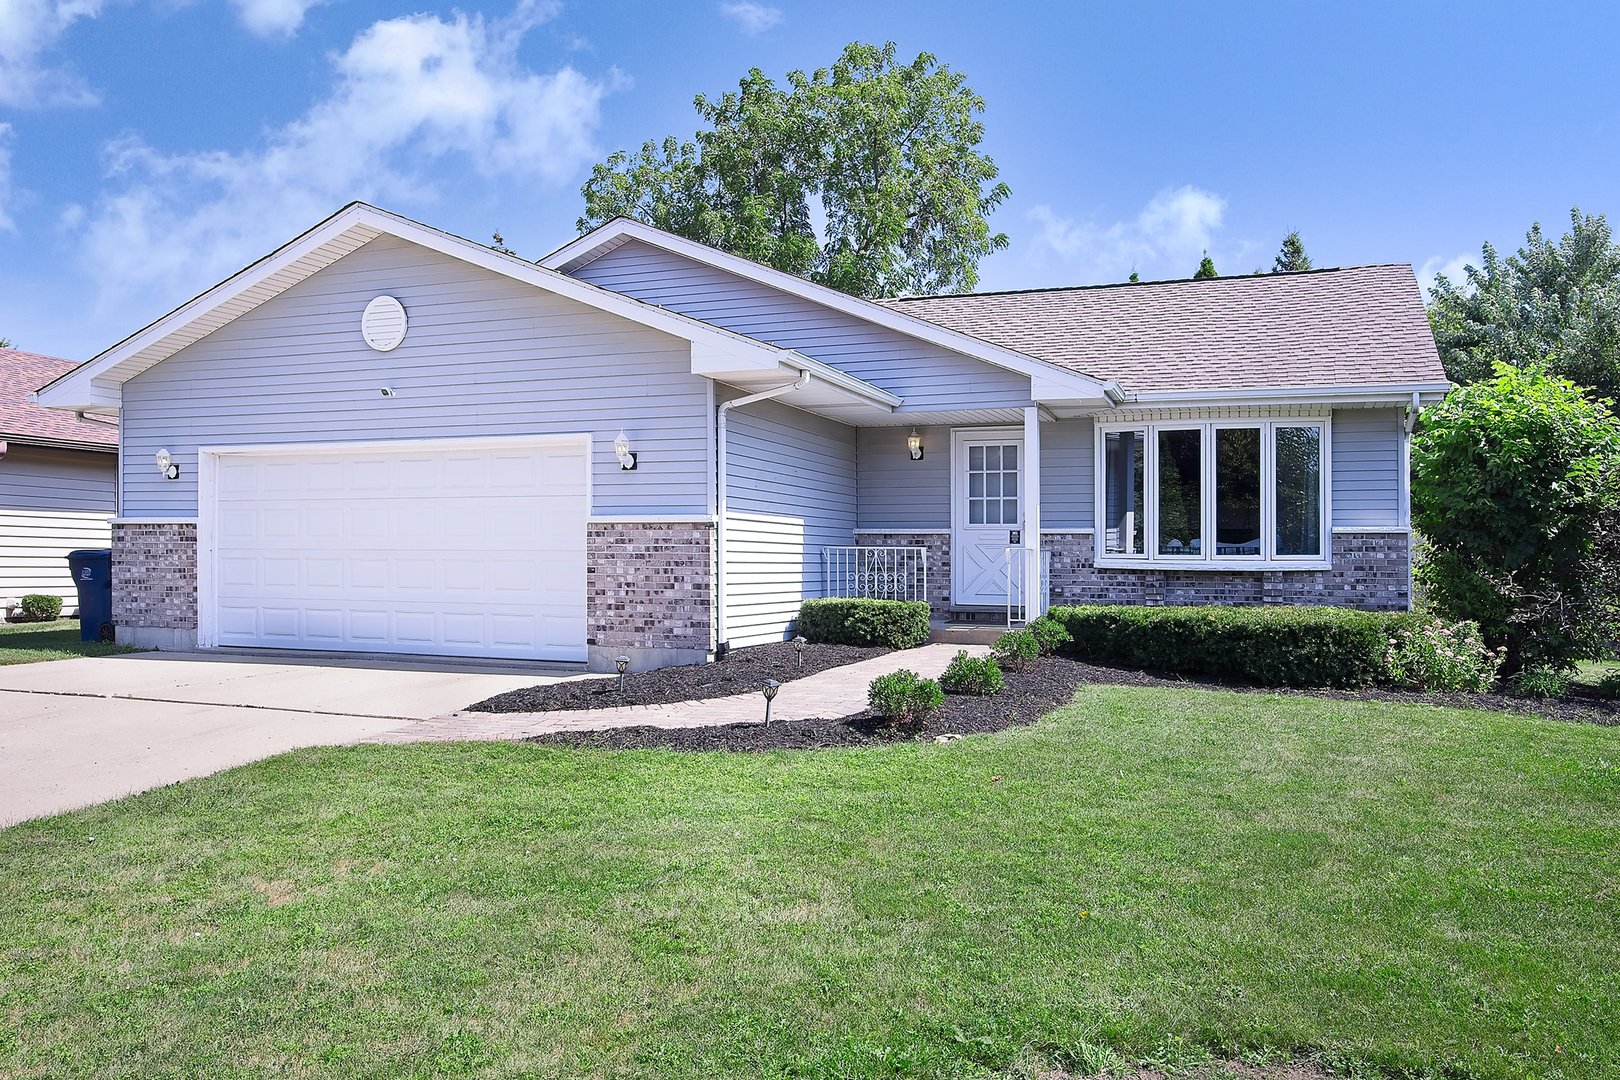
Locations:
column 1435, row 656
column 1017, row 648
column 37, row 607
column 904, row 699
column 1050, row 634
column 1272, row 646
column 899, row 624
column 976, row 675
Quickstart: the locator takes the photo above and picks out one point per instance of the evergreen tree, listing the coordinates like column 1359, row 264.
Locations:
column 1206, row 267
column 1292, row 256
column 1134, row 277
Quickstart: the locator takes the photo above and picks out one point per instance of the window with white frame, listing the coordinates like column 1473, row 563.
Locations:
column 1213, row 493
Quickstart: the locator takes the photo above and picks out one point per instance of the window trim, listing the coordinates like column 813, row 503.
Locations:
column 1209, row 560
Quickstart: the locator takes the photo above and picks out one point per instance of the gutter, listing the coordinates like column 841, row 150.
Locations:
column 722, row 646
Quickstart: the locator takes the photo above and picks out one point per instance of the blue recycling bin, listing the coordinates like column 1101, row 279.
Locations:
column 92, row 574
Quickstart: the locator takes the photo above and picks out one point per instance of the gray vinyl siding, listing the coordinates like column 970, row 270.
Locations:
column 929, row 377
column 897, row 493
column 1068, row 479
column 790, row 491
column 44, row 478
column 1366, row 468
column 484, row 355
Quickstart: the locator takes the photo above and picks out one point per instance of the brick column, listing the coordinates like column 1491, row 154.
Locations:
column 154, row 584
column 649, row 593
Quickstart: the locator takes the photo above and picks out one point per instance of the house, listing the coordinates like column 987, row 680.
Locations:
column 58, row 483
column 383, row 438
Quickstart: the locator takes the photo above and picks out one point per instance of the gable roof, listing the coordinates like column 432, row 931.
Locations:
column 1049, row 381
column 716, row 352
column 1357, row 326
column 22, row 421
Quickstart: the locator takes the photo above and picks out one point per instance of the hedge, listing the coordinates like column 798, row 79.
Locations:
column 1272, row 646
column 899, row 624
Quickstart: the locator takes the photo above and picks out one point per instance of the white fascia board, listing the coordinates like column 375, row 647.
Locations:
column 1062, row 383
column 1392, row 393
column 94, row 384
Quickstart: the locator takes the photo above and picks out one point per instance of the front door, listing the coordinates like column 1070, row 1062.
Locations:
column 989, row 517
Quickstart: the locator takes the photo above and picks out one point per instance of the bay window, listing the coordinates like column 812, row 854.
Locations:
column 1216, row 493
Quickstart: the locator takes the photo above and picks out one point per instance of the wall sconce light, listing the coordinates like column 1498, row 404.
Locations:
column 914, row 445
column 387, row 391
column 621, row 449
column 166, row 466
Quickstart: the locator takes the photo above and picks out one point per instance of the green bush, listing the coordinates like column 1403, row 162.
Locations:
column 1017, row 648
column 904, row 699
column 899, row 624
column 977, row 675
column 37, row 607
column 1272, row 646
column 1050, row 634
column 1541, row 682
column 1435, row 656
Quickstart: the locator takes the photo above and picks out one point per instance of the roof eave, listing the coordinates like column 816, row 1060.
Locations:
column 1393, row 393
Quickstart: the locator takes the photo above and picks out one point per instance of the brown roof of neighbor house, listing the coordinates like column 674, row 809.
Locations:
column 21, row 374
column 1350, row 326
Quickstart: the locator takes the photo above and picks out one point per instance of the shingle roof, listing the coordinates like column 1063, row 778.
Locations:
column 20, row 375
column 1351, row 326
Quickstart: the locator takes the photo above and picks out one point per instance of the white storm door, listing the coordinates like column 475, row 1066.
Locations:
column 989, row 516
column 475, row 550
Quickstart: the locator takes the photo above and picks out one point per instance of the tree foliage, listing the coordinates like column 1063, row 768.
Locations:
column 1206, row 268
column 1516, row 487
column 1292, row 256
column 1553, row 302
column 888, row 149
column 5, row 342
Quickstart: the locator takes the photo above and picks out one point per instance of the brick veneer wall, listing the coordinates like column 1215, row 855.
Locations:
column 649, row 593
column 1371, row 571
column 938, row 546
column 154, row 583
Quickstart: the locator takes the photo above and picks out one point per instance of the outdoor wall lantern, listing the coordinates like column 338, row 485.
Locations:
column 769, row 690
column 914, row 444
column 621, row 448
column 166, row 466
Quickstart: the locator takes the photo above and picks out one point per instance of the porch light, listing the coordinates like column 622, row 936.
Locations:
column 914, row 445
column 623, row 664
column 621, row 449
column 166, row 466
column 769, row 690
column 798, row 646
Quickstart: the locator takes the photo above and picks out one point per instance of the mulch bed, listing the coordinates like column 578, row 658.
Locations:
column 742, row 671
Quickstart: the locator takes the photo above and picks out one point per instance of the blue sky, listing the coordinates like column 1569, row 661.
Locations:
column 149, row 148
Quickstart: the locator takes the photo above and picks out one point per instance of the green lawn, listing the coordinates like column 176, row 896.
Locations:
column 1149, row 870
column 28, row 643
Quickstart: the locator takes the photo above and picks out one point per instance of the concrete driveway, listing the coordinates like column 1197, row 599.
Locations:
column 77, row 732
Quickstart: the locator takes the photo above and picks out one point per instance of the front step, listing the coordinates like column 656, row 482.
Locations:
column 965, row 633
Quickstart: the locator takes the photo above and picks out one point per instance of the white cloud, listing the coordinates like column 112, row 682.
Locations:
column 28, row 28
column 410, row 91
column 752, row 18
column 1167, row 238
column 273, row 18
column 1455, row 269
column 5, row 178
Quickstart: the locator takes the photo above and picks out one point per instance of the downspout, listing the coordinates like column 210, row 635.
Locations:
column 1413, row 413
column 722, row 646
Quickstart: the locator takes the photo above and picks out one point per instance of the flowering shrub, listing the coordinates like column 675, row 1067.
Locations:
column 1437, row 656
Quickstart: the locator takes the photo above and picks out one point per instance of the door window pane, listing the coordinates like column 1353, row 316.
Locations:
column 992, row 485
column 1180, row 479
column 1122, row 496
column 1299, row 490
column 1237, row 491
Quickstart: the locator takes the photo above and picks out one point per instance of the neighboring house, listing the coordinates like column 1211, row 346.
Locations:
column 58, row 483
column 383, row 438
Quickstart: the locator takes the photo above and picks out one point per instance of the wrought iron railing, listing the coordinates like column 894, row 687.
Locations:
column 1029, row 584
column 875, row 573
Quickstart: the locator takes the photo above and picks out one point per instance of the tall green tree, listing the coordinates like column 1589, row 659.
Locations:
column 1553, row 302
column 889, row 151
column 1206, row 268
column 1292, row 256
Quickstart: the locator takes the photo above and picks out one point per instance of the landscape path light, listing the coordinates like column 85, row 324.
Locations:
column 769, row 690
column 798, row 646
column 623, row 664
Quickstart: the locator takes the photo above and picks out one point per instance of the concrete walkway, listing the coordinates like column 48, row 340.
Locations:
column 828, row 694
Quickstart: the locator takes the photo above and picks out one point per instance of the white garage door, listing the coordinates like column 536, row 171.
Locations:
column 472, row 551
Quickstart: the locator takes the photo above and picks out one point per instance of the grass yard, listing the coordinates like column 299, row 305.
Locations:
column 1148, row 872
column 29, row 643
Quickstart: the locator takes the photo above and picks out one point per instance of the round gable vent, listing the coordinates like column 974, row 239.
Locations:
column 383, row 324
